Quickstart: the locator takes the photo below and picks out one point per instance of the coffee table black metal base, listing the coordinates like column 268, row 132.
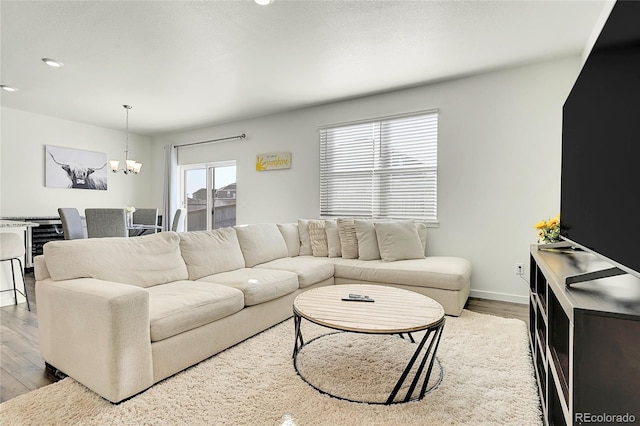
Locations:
column 425, row 351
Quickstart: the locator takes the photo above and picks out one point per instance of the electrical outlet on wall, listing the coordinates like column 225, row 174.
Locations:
column 519, row 269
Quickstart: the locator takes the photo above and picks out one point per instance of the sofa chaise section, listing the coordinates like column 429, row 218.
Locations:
column 390, row 253
column 445, row 279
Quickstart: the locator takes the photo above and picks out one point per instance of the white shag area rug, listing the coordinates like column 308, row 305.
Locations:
column 487, row 379
column 363, row 367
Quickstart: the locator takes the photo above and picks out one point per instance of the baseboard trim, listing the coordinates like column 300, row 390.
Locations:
column 503, row 297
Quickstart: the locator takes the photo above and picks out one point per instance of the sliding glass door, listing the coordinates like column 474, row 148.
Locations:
column 209, row 195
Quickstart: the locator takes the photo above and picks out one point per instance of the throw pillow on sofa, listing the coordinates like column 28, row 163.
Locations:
column 305, row 241
column 399, row 240
column 422, row 232
column 333, row 238
column 348, row 238
column 318, row 238
column 367, row 240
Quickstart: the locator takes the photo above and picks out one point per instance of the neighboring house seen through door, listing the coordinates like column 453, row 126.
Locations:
column 209, row 195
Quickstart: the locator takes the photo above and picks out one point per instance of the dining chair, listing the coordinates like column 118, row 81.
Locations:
column 178, row 219
column 106, row 223
column 146, row 217
column 12, row 248
column 72, row 225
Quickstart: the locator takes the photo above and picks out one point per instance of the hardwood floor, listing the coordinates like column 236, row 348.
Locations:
column 499, row 309
column 22, row 368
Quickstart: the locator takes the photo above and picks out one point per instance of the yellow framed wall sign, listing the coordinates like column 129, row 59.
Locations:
column 273, row 161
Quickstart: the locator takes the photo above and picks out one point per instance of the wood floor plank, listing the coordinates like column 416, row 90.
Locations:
column 498, row 308
column 13, row 361
column 25, row 348
column 7, row 333
column 22, row 366
column 10, row 387
column 33, row 377
column 22, row 327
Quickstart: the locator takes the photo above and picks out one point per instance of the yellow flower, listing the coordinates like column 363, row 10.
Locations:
column 548, row 230
column 540, row 225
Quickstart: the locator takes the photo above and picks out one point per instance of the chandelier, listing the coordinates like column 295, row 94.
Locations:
column 132, row 166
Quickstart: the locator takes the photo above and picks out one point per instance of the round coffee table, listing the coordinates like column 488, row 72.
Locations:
column 393, row 311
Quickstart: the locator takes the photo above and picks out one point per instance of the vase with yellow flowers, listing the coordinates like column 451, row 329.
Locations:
column 548, row 230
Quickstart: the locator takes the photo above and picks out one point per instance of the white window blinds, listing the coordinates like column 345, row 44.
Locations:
column 381, row 169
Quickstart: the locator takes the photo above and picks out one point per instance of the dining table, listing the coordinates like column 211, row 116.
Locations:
column 138, row 229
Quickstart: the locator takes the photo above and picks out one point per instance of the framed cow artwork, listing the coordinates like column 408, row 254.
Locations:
column 75, row 168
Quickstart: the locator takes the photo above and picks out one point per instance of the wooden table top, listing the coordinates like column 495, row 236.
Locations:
column 394, row 311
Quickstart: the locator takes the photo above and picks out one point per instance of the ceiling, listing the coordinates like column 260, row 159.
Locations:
column 186, row 64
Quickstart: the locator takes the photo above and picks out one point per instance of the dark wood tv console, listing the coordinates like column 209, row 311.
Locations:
column 585, row 340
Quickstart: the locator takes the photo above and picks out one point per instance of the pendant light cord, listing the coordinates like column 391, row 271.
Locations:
column 126, row 151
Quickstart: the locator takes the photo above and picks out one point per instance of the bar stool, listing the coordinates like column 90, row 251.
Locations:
column 12, row 248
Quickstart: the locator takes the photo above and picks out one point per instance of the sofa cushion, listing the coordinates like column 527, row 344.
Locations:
column 261, row 243
column 142, row 261
column 333, row 238
column 291, row 237
column 305, row 241
column 448, row 273
column 184, row 305
column 258, row 285
column 348, row 238
column 211, row 252
column 318, row 238
column 310, row 270
column 367, row 241
column 398, row 240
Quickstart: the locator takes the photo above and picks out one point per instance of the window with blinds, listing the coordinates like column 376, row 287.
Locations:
column 381, row 169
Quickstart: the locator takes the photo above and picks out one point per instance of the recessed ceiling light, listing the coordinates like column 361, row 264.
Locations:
column 8, row 88
column 263, row 2
column 52, row 62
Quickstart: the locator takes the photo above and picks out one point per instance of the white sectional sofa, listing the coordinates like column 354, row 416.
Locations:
column 120, row 314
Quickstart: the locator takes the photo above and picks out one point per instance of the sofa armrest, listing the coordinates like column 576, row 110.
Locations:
column 40, row 270
column 98, row 333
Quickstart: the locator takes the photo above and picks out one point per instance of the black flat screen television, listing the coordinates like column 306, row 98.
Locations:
column 600, row 184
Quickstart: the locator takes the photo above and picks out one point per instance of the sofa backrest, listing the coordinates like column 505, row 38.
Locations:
column 141, row 261
column 211, row 252
column 261, row 243
column 291, row 237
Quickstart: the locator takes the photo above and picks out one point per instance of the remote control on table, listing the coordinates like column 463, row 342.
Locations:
column 357, row 298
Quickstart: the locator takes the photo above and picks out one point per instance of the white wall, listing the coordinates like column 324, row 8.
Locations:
column 498, row 163
column 24, row 136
